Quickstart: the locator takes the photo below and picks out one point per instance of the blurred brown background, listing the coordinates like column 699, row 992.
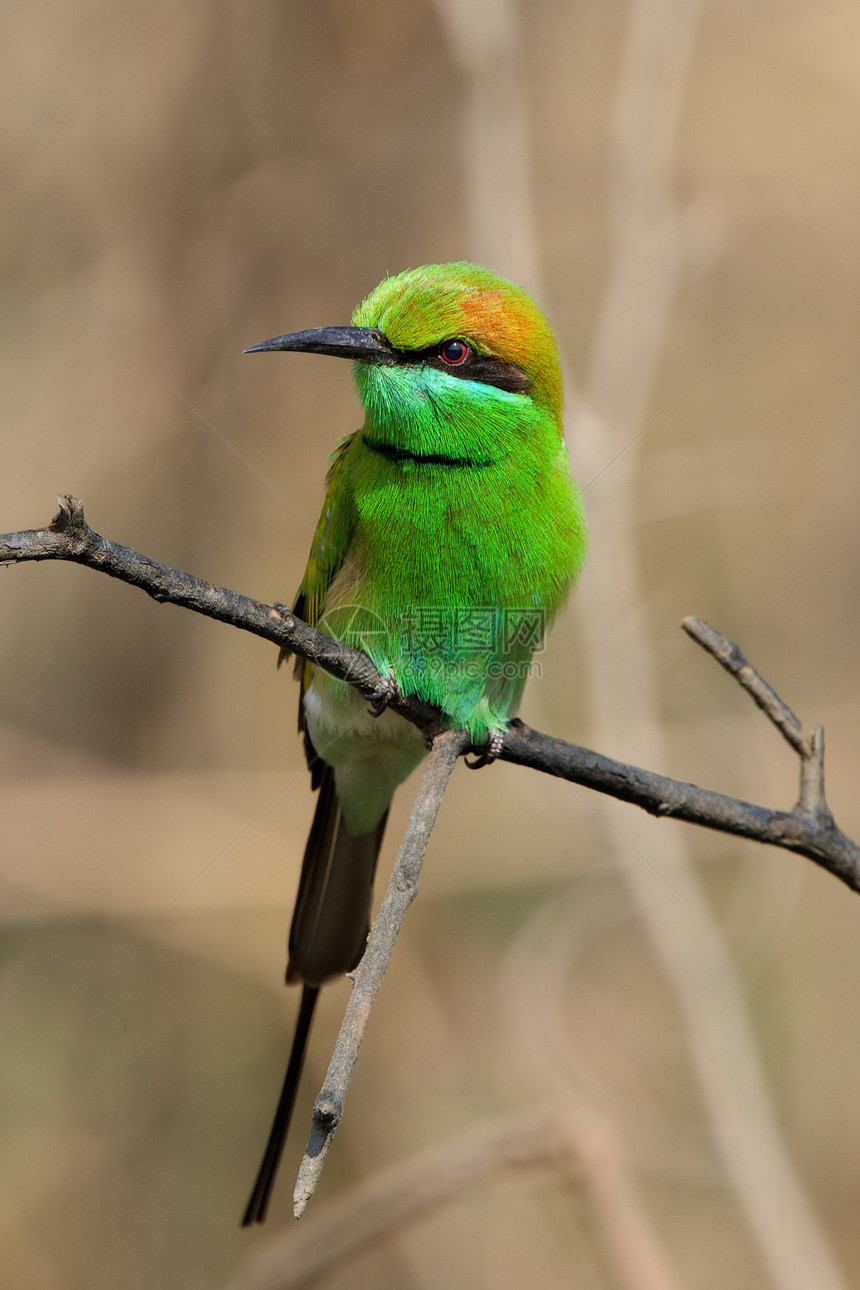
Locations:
column 183, row 181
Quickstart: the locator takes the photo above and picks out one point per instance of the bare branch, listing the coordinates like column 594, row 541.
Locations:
column 735, row 661
column 367, row 977
column 815, row 836
column 582, row 1145
column 808, row 830
column 69, row 537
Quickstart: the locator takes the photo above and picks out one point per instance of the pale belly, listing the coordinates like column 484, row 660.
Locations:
column 370, row 755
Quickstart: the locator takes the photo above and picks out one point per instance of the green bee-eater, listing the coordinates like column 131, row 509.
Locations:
column 450, row 536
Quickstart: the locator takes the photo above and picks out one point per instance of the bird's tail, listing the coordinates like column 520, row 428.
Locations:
column 332, row 914
column 258, row 1204
column 327, row 938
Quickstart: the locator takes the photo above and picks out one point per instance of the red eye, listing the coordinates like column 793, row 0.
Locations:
column 454, row 352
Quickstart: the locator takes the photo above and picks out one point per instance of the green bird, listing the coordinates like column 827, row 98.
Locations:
column 450, row 536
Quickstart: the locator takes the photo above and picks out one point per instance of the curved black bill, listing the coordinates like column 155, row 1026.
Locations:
column 361, row 344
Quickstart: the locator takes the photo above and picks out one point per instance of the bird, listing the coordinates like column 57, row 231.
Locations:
column 450, row 536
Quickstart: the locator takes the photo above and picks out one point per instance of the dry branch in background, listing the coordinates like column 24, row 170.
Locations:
column 578, row 1143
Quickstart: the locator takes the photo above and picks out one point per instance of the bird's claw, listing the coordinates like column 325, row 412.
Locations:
column 384, row 694
column 489, row 751
column 285, row 615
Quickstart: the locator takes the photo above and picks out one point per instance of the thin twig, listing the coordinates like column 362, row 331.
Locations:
column 367, row 978
column 735, row 661
column 807, row 831
column 582, row 1145
column 811, row 801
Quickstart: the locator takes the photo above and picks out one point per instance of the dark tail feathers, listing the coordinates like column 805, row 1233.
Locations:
column 332, row 914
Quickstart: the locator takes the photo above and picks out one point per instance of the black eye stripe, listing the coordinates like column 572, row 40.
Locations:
column 474, row 367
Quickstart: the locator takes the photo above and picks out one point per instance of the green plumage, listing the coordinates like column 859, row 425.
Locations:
column 450, row 536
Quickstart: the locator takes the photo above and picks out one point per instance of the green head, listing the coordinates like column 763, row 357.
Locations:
column 510, row 344
column 447, row 352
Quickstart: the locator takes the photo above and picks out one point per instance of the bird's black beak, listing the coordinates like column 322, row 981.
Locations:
column 361, row 344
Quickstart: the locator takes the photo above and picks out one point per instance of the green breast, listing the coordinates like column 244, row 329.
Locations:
column 458, row 570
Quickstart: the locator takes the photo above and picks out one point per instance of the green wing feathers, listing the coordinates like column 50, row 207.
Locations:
column 328, row 551
column 331, row 539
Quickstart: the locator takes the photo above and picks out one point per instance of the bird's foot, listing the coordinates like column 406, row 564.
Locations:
column 284, row 613
column 384, row 694
column 488, row 752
